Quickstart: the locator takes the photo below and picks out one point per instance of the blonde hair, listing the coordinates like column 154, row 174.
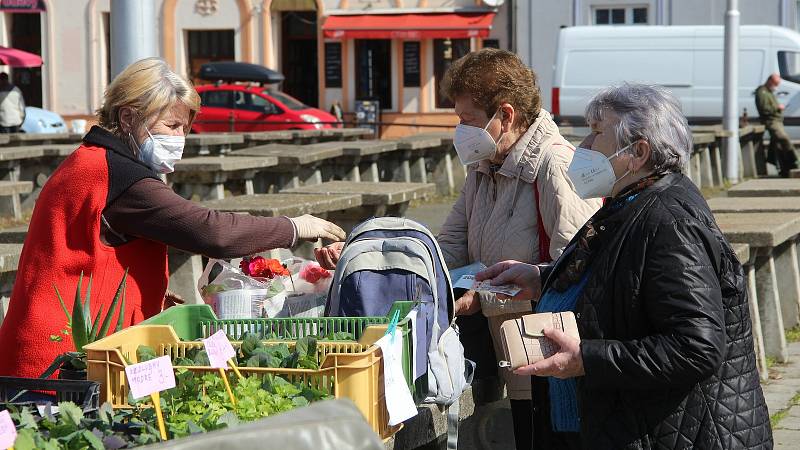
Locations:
column 150, row 88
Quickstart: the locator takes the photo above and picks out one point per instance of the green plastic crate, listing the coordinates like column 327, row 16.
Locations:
column 193, row 322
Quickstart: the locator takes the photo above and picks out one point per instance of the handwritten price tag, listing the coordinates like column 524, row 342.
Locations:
column 219, row 349
column 150, row 376
column 8, row 432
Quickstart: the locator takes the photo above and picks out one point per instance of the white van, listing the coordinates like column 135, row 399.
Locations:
column 687, row 60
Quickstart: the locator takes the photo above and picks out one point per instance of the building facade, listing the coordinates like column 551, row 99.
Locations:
column 330, row 51
column 537, row 22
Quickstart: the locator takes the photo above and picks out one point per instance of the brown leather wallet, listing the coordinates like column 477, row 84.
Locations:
column 523, row 339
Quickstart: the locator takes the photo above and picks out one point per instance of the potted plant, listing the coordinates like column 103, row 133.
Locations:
column 72, row 365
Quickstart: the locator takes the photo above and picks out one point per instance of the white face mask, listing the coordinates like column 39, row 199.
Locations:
column 592, row 174
column 162, row 151
column 473, row 143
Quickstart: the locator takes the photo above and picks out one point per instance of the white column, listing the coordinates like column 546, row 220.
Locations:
column 730, row 106
column 133, row 32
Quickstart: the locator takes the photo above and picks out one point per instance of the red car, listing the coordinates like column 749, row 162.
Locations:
column 236, row 107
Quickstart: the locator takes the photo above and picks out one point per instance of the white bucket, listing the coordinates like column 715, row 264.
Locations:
column 78, row 126
column 238, row 303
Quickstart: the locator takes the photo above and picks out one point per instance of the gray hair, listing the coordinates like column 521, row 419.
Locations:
column 649, row 113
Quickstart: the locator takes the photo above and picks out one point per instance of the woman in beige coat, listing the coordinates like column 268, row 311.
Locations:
column 517, row 202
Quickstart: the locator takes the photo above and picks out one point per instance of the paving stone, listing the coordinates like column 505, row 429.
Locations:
column 786, row 439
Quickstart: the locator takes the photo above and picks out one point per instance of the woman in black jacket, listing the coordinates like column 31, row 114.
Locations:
column 665, row 359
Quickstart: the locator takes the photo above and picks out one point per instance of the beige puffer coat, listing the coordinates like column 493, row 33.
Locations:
column 495, row 219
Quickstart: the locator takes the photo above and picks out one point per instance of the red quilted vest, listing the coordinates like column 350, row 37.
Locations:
column 63, row 240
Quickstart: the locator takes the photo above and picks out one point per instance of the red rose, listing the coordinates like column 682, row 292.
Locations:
column 313, row 272
column 260, row 267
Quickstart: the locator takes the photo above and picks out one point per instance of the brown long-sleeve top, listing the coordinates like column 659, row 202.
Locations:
column 140, row 205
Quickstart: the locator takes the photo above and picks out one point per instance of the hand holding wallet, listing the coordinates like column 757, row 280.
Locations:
column 523, row 339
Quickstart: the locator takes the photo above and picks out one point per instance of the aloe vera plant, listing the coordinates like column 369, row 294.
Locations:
column 83, row 329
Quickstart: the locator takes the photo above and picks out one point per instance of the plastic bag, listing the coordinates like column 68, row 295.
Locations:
column 234, row 295
column 307, row 288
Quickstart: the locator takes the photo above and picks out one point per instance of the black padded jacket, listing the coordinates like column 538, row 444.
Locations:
column 665, row 331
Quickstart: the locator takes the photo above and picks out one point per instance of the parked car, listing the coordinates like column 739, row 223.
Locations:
column 38, row 120
column 687, row 60
column 227, row 106
column 255, row 108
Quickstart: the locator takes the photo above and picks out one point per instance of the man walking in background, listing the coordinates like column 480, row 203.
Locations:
column 12, row 106
column 770, row 113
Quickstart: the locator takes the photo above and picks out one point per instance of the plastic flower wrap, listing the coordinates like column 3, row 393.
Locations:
column 313, row 272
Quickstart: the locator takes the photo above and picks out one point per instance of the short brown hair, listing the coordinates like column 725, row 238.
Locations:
column 491, row 77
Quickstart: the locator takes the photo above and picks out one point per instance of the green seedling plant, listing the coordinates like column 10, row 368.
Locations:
column 82, row 328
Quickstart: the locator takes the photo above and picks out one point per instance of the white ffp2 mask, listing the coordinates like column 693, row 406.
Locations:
column 162, row 151
column 473, row 143
column 592, row 174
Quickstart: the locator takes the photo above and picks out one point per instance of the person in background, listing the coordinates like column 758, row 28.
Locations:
column 665, row 358
column 105, row 212
column 12, row 106
column 517, row 202
column 770, row 112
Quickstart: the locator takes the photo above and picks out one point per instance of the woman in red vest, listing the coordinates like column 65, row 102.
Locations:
column 105, row 210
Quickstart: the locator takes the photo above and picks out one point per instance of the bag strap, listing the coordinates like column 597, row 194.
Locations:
column 544, row 239
column 452, row 424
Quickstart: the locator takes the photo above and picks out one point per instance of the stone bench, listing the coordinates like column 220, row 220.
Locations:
column 704, row 167
column 32, row 163
column 254, row 138
column 10, row 203
column 428, row 429
column 205, row 176
column 329, row 135
column 754, row 204
column 767, row 187
column 42, row 138
column 297, row 164
column 751, row 146
column 211, row 143
column 185, row 269
column 743, row 254
column 9, row 261
column 772, row 238
column 427, row 157
column 378, row 199
column 360, row 161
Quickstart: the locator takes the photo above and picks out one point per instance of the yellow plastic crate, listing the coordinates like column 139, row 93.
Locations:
column 347, row 369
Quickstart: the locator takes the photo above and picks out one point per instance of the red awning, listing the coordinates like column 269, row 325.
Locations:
column 408, row 26
column 18, row 58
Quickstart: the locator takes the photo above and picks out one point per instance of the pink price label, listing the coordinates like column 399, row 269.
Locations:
column 219, row 349
column 8, row 432
column 151, row 376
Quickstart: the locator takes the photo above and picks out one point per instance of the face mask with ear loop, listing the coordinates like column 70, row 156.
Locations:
column 161, row 151
column 592, row 174
column 474, row 144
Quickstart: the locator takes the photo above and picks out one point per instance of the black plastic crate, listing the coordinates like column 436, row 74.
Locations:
column 85, row 394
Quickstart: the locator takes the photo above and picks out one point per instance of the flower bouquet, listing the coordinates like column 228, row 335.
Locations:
column 309, row 289
column 252, row 290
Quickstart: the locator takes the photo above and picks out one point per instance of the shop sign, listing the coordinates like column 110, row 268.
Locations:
column 22, row 6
